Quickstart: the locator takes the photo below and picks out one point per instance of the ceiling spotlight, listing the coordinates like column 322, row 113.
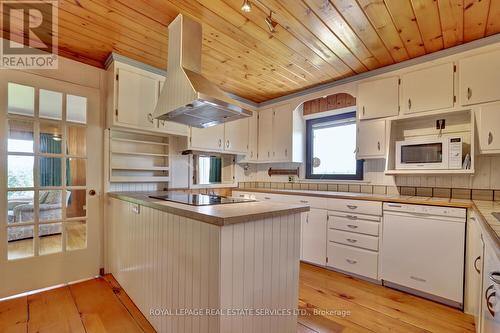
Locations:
column 271, row 24
column 246, row 6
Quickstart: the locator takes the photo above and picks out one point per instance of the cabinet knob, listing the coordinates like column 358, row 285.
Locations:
column 378, row 145
column 409, row 103
column 150, row 118
column 286, row 152
column 92, row 193
column 350, row 261
column 363, row 110
column 490, row 138
column 469, row 93
column 227, row 144
column 220, row 142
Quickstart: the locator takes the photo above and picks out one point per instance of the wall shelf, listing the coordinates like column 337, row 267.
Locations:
column 138, row 179
column 159, row 168
column 133, row 157
column 430, row 172
column 140, row 141
column 459, row 123
column 138, row 153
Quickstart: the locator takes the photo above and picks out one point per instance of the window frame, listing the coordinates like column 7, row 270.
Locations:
column 309, row 147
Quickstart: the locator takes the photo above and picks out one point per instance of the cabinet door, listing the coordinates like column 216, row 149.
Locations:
column 371, row 139
column 211, row 138
column 253, row 140
column 314, row 236
column 236, row 136
column 427, row 89
column 282, row 133
column 171, row 127
column 489, row 127
column 379, row 98
column 474, row 259
column 136, row 99
column 479, row 78
column 265, row 145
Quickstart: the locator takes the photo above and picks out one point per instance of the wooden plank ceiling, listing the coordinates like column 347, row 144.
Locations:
column 316, row 41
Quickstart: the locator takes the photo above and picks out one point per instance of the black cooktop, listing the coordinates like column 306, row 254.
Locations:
column 198, row 199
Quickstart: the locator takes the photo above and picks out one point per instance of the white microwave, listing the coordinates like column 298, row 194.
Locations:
column 430, row 154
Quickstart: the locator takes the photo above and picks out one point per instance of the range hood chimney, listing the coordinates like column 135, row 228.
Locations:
column 187, row 97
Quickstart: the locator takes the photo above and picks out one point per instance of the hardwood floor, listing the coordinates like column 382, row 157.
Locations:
column 100, row 305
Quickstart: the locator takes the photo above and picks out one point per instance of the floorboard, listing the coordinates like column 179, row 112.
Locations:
column 101, row 306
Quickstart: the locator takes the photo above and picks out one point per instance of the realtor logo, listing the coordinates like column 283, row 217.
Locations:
column 29, row 34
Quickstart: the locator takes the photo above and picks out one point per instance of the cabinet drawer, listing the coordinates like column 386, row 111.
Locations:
column 353, row 224
column 313, row 202
column 356, row 206
column 353, row 239
column 353, row 260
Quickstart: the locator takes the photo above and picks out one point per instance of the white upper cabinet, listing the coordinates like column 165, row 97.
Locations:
column 132, row 96
column 137, row 94
column 281, row 135
column 265, row 146
column 378, row 98
column 479, row 78
column 230, row 137
column 488, row 125
column 253, row 137
column 236, row 136
column 371, row 139
column 210, row 138
column 282, row 132
column 427, row 89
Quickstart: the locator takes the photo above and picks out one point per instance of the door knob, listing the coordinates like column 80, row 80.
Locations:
column 92, row 193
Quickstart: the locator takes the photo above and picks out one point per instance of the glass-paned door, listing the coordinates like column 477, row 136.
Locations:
column 51, row 145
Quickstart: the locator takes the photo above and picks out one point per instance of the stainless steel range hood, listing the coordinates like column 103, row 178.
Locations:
column 187, row 97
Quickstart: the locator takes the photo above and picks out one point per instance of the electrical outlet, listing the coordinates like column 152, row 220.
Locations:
column 440, row 124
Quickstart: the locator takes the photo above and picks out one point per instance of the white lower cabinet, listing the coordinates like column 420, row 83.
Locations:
column 353, row 241
column 353, row 260
column 313, row 243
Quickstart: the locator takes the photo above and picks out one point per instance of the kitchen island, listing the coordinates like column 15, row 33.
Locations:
column 222, row 268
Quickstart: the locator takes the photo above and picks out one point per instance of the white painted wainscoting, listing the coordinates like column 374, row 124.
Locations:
column 168, row 262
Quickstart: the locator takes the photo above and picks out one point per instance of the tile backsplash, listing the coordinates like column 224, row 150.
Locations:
column 483, row 185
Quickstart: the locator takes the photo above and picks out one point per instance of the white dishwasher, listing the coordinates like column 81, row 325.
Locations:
column 423, row 251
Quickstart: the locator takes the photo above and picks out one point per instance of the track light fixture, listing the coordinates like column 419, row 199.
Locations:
column 271, row 24
column 246, row 6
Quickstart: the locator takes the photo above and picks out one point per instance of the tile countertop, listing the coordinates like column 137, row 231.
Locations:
column 434, row 201
column 489, row 223
column 217, row 214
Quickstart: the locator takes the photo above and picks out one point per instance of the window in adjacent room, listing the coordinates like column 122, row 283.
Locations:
column 331, row 148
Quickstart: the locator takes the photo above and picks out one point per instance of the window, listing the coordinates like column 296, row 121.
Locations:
column 46, row 166
column 331, row 148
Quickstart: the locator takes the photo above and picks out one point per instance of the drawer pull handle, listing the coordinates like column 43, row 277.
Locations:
column 417, row 279
column 475, row 264
column 304, row 201
column 352, row 217
column 352, row 206
column 352, row 226
column 350, row 261
column 495, row 277
column 242, row 195
column 350, row 240
column 394, row 205
column 267, row 198
column 488, row 295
